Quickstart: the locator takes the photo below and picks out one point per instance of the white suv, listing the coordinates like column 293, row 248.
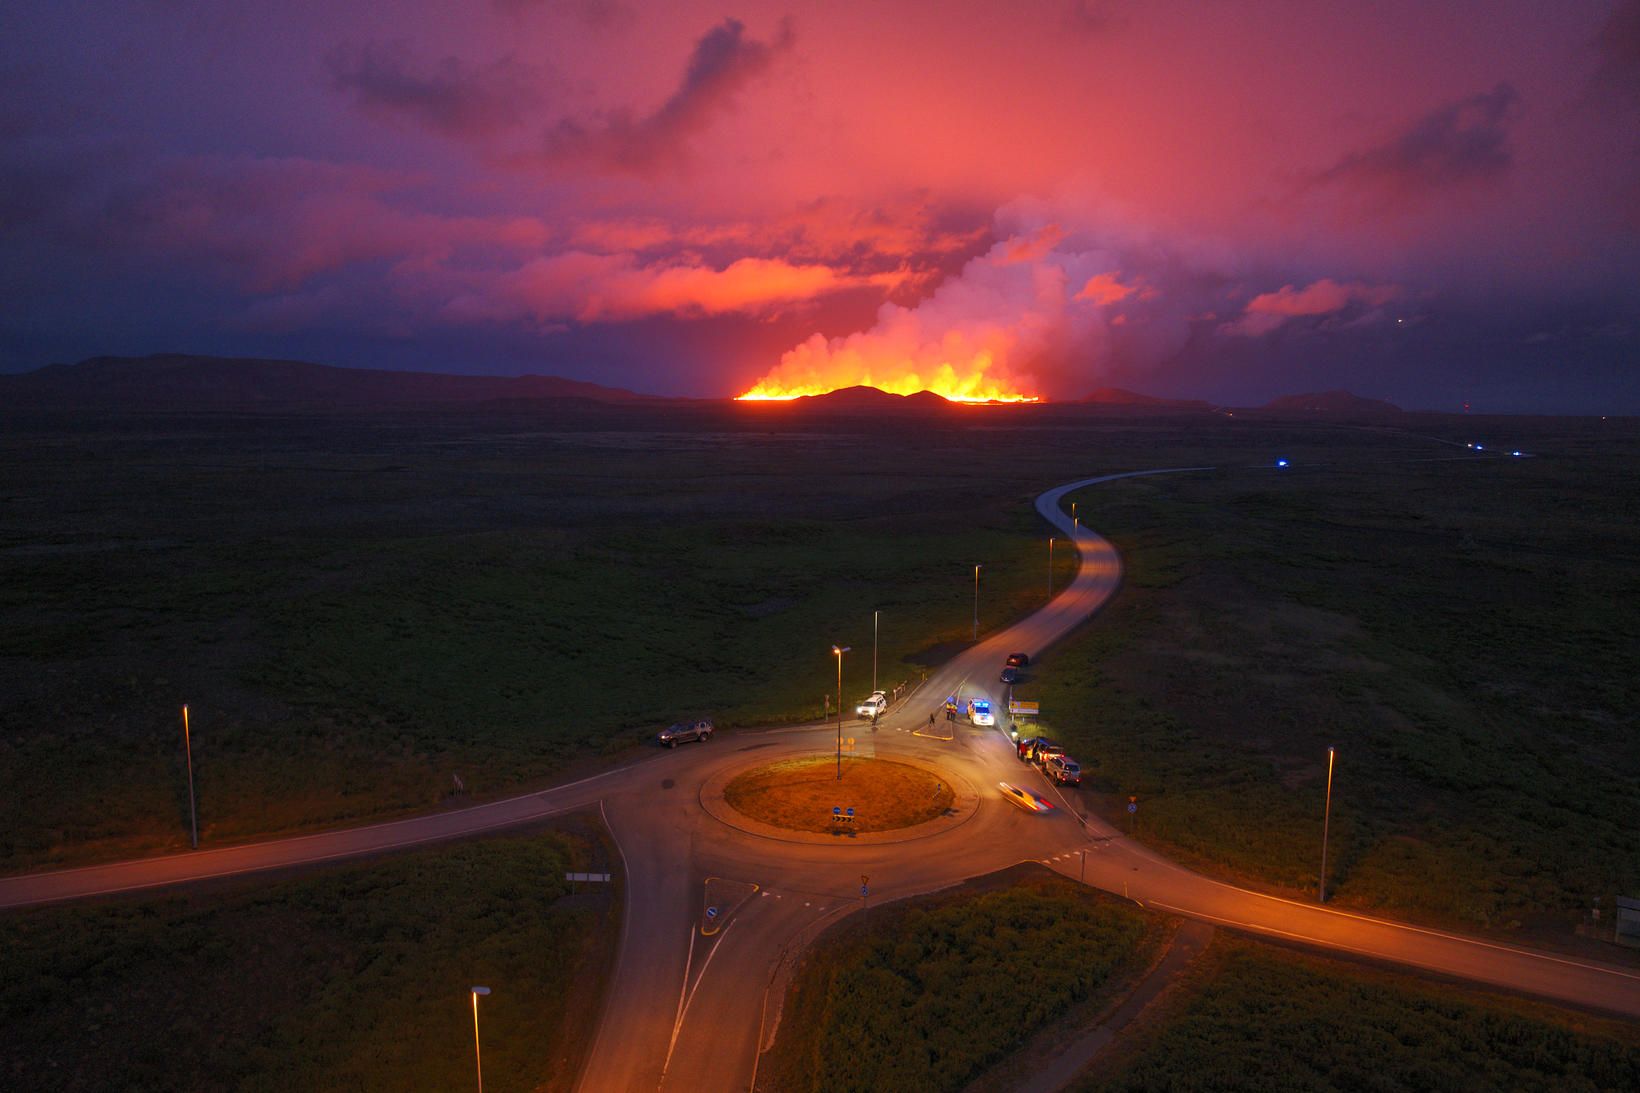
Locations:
column 874, row 706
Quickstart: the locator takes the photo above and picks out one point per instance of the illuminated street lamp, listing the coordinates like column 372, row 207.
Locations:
column 839, row 651
column 976, row 603
column 1326, row 818
column 477, row 1056
column 1050, row 567
column 874, row 615
column 188, row 747
column 1074, row 524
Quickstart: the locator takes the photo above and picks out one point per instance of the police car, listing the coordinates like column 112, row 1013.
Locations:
column 979, row 713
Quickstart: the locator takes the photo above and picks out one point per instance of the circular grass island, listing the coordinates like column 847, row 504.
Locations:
column 799, row 794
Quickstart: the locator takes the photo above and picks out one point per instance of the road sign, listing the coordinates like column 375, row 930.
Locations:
column 863, row 892
column 1025, row 709
column 1132, row 807
column 851, row 811
column 711, row 913
column 864, row 880
column 836, row 810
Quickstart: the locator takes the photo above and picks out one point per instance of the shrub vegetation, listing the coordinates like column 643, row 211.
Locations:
column 927, row 994
column 354, row 978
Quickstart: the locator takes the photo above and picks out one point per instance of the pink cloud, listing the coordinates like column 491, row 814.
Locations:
column 1270, row 310
column 593, row 288
column 1105, row 289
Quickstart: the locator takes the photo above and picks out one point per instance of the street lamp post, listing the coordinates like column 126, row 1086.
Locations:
column 874, row 615
column 839, row 651
column 1326, row 819
column 976, row 603
column 1074, row 524
column 477, row 1055
column 188, row 748
column 1050, row 567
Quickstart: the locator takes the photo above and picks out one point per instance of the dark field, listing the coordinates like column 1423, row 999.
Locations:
column 930, row 993
column 1468, row 636
column 1254, row 1017
column 348, row 978
column 359, row 609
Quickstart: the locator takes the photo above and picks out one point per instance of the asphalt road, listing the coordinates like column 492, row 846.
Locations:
column 689, row 1010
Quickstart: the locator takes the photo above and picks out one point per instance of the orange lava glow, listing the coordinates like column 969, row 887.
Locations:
column 972, row 384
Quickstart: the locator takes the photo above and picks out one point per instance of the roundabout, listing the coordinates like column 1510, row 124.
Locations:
column 895, row 799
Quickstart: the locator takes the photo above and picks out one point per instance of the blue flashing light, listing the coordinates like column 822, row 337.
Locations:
column 1514, row 453
column 1281, row 462
column 1480, row 447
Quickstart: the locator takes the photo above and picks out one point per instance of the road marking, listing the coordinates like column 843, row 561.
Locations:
column 684, row 1002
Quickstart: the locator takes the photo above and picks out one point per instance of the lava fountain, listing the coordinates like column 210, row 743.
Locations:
column 953, row 370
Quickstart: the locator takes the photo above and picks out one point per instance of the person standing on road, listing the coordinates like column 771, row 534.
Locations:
column 931, row 720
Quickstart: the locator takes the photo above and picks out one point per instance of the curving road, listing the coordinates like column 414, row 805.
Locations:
column 691, row 1010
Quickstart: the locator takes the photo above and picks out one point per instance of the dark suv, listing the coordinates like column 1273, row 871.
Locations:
column 1027, row 747
column 1044, row 752
column 685, row 731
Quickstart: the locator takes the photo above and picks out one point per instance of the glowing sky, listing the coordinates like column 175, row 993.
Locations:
column 1429, row 202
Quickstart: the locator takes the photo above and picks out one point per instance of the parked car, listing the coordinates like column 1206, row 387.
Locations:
column 979, row 713
column 1045, row 751
column 874, row 706
column 685, row 731
column 1010, row 676
column 1024, row 798
column 1027, row 747
column 1019, row 660
column 1064, row 770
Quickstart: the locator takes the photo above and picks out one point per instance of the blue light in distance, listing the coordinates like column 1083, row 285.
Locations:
column 1281, row 462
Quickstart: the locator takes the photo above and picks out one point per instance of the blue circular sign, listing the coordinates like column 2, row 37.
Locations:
column 1133, row 807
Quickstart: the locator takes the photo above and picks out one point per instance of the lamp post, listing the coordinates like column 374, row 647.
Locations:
column 839, row 651
column 1050, row 567
column 976, row 603
column 1074, row 524
column 188, row 748
column 874, row 615
column 477, row 1055
column 1326, row 819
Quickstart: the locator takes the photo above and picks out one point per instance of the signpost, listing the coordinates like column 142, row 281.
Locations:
column 1133, row 807
column 1025, row 709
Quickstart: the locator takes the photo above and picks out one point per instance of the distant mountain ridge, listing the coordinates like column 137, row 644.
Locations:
column 1120, row 396
column 869, row 399
column 1332, row 402
column 180, row 381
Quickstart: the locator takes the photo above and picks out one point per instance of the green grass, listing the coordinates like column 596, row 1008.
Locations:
column 1258, row 1018
column 929, row 993
column 353, row 978
column 1463, row 633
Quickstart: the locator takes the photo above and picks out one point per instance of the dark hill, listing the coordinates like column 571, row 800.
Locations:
column 1331, row 402
column 872, row 400
column 179, row 382
column 1118, row 396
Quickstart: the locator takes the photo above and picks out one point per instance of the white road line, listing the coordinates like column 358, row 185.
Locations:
column 684, row 1011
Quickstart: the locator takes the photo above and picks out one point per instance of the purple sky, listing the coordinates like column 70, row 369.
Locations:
column 1427, row 202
